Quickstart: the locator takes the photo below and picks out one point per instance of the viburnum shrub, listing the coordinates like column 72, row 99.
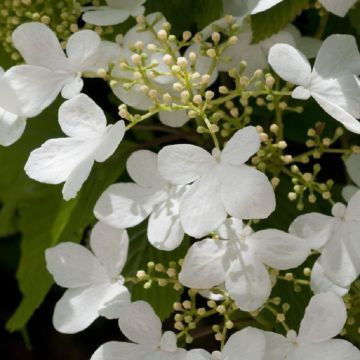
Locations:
column 202, row 202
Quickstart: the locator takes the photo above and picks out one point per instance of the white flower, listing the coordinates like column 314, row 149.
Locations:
column 127, row 204
column 336, row 238
column 71, row 159
column 324, row 319
column 256, row 55
column 332, row 82
column 353, row 169
column 12, row 124
column 249, row 342
column 94, row 281
column 242, row 8
column 222, row 183
column 115, row 12
column 139, row 323
column 49, row 71
column 240, row 262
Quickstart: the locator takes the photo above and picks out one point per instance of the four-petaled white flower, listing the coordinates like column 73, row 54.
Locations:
column 249, row 342
column 337, row 239
column 115, row 12
column 12, row 124
column 94, row 281
column 48, row 71
column 324, row 319
column 222, row 183
column 332, row 82
column 127, row 204
column 139, row 323
column 353, row 169
column 71, row 159
column 240, row 260
column 242, row 8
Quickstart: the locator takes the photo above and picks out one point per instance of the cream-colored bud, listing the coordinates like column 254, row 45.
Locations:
column 178, row 87
column 211, row 53
column 215, row 37
column 192, row 57
column 136, row 59
column 186, row 35
column 197, row 99
column 182, row 62
column 162, row 34
column 233, row 40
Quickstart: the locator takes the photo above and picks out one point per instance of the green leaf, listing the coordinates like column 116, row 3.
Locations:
column 140, row 253
column 268, row 23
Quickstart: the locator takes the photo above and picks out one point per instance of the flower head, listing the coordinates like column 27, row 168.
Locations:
column 94, row 280
column 48, row 71
column 240, row 261
column 221, row 183
column 71, row 159
column 324, row 318
column 139, row 323
column 333, row 80
column 127, row 204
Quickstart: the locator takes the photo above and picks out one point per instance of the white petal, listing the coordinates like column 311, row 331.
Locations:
column 249, row 342
column 329, row 350
column 174, row 118
column 246, row 192
column 205, row 264
column 339, row 259
column 39, row 46
column 56, row 159
column 35, row 87
column 248, row 282
column 201, row 208
column 82, row 118
column 126, row 205
column 353, row 208
column 83, row 49
column 110, row 141
column 183, row 164
column 77, row 178
column 279, row 249
column 290, row 64
column 105, row 16
column 338, row 56
column 278, row 347
column 72, row 88
column 348, row 192
column 78, row 308
column 140, row 324
column 115, row 299
column 336, row 110
column 115, row 350
column 11, row 127
column 257, row 6
column 243, row 144
column 314, row 227
column 110, row 245
column 353, row 168
column 339, row 8
column 198, row 354
column 73, row 265
column 164, row 228
column 320, row 283
column 142, row 166
column 324, row 318
column 8, row 97
column 232, row 228
column 109, row 53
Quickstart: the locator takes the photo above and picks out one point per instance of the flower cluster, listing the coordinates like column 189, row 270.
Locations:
column 214, row 182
